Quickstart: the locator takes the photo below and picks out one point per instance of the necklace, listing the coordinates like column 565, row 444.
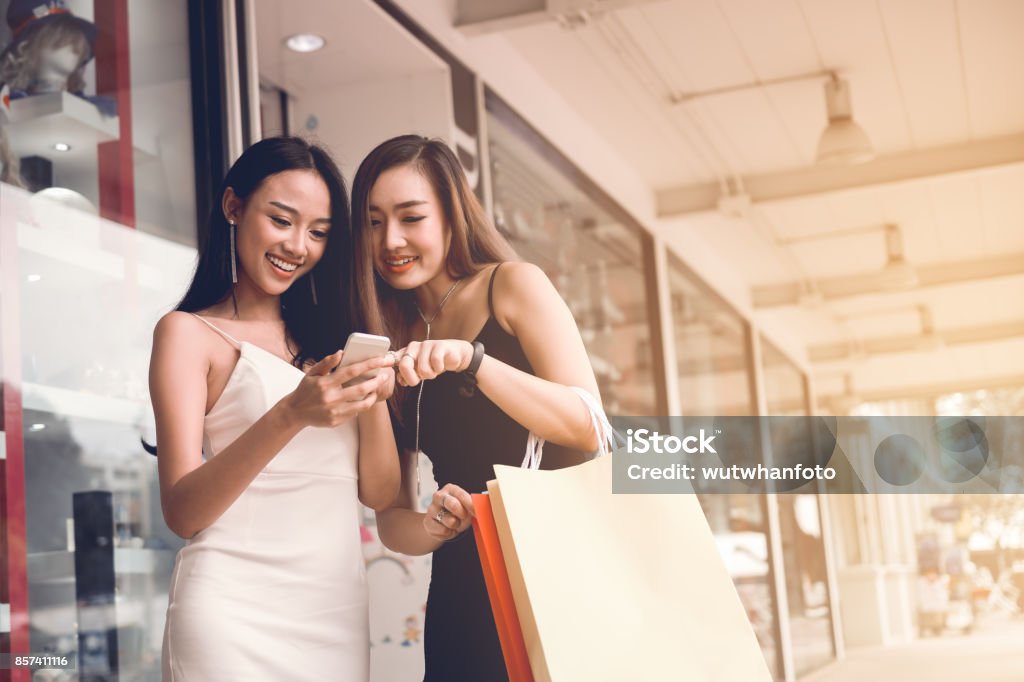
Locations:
column 419, row 396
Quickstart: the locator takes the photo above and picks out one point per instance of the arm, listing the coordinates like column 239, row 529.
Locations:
column 536, row 315
column 415, row 533
column 194, row 494
column 379, row 474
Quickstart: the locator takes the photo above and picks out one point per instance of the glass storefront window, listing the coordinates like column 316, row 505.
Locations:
column 95, row 139
column 711, row 348
column 803, row 549
column 713, row 365
column 596, row 262
column 113, row 136
column 85, row 405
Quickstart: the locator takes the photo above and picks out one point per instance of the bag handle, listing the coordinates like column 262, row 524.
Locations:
column 603, row 429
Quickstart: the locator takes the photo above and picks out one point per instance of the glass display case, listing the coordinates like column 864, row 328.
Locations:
column 95, row 109
column 88, row 291
column 95, row 139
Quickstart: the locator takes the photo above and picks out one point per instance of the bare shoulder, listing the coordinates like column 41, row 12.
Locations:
column 520, row 288
column 175, row 326
column 178, row 335
column 519, row 281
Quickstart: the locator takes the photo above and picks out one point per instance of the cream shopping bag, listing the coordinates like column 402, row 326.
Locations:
column 618, row 587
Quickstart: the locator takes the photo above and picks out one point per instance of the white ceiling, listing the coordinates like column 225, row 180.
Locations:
column 363, row 44
column 924, row 74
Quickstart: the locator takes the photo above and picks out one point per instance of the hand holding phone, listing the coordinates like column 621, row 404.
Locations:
column 361, row 347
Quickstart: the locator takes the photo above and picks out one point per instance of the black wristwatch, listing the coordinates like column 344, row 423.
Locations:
column 468, row 388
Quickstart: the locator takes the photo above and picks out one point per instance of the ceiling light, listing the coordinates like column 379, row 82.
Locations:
column 810, row 295
column 305, row 42
column 34, row 278
column 897, row 273
column 37, row 427
column 843, row 141
column 62, row 147
column 930, row 339
column 847, row 401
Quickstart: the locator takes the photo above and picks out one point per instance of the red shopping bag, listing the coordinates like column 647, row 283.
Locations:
column 492, row 561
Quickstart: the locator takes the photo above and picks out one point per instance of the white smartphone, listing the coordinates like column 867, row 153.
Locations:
column 361, row 347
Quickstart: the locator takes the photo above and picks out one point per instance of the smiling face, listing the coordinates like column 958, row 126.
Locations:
column 409, row 232
column 282, row 229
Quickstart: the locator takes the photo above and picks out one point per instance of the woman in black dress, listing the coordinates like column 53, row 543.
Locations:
column 469, row 318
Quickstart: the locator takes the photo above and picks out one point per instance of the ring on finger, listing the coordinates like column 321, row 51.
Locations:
column 440, row 515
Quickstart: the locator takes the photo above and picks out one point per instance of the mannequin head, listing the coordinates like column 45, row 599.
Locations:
column 49, row 57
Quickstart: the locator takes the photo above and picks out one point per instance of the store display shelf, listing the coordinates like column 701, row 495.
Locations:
column 86, row 246
column 71, row 403
column 38, row 122
column 59, row 567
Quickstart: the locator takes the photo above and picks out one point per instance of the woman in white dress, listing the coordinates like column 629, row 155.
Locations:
column 264, row 456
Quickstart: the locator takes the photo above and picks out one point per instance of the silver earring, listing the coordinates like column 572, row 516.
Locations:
column 312, row 287
column 234, row 272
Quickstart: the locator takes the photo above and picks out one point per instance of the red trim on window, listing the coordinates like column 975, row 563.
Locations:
column 113, row 78
column 13, row 540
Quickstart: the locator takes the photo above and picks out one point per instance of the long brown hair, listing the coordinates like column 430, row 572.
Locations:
column 474, row 243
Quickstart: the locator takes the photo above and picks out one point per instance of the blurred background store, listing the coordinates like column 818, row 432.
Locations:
column 782, row 207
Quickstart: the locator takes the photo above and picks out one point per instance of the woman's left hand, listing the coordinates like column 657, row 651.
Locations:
column 422, row 360
column 449, row 513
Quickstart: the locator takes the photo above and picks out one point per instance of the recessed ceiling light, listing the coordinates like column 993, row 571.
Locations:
column 34, row 278
column 37, row 427
column 305, row 42
column 62, row 147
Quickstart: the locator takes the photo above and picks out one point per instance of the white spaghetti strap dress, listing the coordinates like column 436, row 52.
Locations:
column 275, row 589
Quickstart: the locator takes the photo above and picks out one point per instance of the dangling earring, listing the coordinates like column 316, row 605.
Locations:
column 234, row 272
column 312, row 287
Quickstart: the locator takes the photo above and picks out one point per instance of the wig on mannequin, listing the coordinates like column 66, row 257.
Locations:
column 20, row 66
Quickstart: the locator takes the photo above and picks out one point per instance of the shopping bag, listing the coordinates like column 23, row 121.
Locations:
column 492, row 562
column 618, row 587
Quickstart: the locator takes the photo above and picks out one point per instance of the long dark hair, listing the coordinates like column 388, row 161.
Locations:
column 317, row 330
column 475, row 243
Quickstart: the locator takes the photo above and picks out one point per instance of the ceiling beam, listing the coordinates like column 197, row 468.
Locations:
column 938, row 274
column 931, row 391
column 914, row 165
column 915, row 343
column 477, row 17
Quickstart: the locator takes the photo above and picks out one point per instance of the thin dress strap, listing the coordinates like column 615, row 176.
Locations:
column 235, row 342
column 490, row 290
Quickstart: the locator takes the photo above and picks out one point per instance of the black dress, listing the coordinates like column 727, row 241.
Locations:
column 464, row 438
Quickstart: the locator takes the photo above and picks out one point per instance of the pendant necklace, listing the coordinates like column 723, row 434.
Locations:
column 419, row 396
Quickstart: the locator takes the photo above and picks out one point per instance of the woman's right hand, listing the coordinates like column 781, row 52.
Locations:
column 320, row 398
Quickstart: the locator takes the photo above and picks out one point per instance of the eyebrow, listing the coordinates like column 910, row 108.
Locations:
column 404, row 204
column 293, row 211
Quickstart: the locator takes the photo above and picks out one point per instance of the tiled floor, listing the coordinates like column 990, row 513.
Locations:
column 994, row 652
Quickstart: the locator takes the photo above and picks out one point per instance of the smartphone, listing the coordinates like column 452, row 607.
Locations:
column 361, row 347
